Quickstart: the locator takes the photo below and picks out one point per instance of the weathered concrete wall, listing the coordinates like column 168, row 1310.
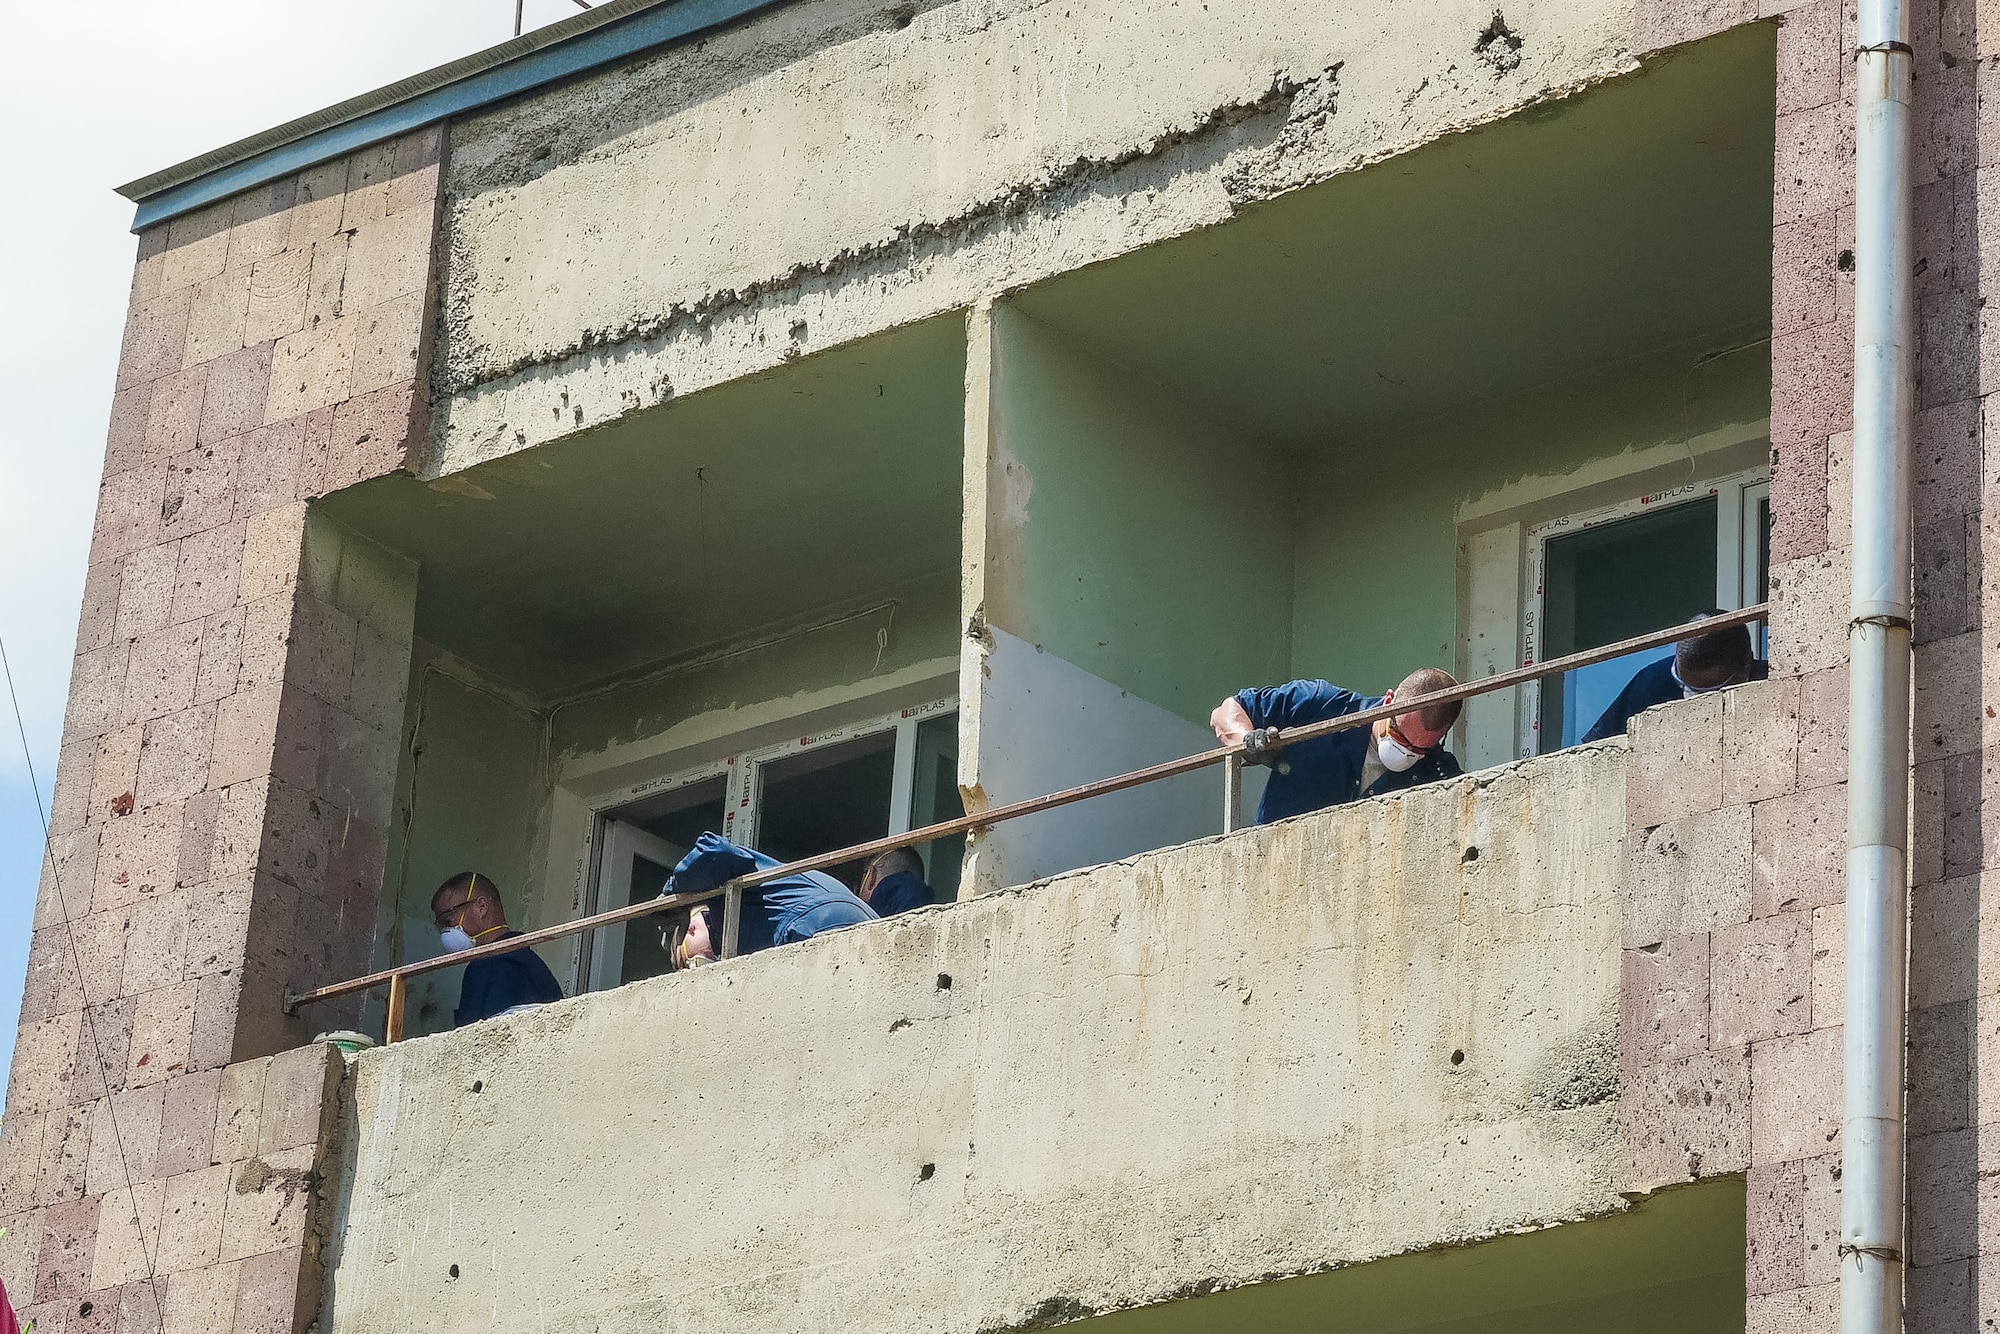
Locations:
column 1343, row 1037
column 228, row 755
column 904, row 159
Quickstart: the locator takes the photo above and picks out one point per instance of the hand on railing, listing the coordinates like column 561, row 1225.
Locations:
column 1258, row 749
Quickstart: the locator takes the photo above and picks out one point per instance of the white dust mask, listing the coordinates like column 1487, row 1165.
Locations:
column 1395, row 756
column 455, row 939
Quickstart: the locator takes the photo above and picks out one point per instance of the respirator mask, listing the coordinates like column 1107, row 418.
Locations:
column 1394, row 755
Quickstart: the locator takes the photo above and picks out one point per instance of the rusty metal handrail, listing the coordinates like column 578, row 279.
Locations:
column 1231, row 756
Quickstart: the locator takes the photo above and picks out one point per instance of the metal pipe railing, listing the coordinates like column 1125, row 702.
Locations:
column 1232, row 758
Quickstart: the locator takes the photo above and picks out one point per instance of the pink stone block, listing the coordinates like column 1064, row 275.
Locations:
column 1809, row 57
column 161, row 673
column 187, row 1122
column 260, row 223
column 239, row 385
column 1675, row 768
column 278, row 287
column 1823, row 728
column 1775, row 1228
column 1805, row 273
column 216, row 317
column 69, row 1239
column 269, row 469
column 96, row 694
column 124, row 1139
column 146, row 591
column 1814, row 162
column 173, row 424
column 162, row 1028
column 1686, row 1119
column 268, row 1297
column 197, row 246
column 1760, row 740
column 205, row 575
column 1663, row 1001
column 125, row 441
column 370, row 437
column 44, row 1064
column 128, row 511
column 155, row 333
column 1795, row 1101
column 1762, row 979
column 219, row 674
column 1809, row 606
column 173, row 762
column 1798, row 851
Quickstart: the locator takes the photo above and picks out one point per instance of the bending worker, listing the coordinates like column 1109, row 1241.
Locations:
column 1396, row 753
column 778, row 912
column 467, row 911
column 894, row 882
column 1700, row 663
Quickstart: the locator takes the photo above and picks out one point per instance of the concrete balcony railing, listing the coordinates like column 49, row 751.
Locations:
column 1377, row 1030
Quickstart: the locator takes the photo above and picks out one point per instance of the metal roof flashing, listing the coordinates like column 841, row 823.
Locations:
column 613, row 31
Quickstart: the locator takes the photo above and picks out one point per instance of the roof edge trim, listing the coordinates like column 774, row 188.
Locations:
column 601, row 36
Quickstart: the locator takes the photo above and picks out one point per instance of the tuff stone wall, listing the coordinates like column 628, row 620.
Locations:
column 228, row 752
column 1774, row 976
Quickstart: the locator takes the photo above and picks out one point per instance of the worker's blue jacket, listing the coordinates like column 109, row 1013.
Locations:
column 1655, row 683
column 899, row 893
column 503, row 982
column 1326, row 771
column 793, row 907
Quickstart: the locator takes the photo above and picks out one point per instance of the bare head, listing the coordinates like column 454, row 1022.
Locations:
column 1424, row 727
column 896, row 861
column 1716, row 659
column 469, row 901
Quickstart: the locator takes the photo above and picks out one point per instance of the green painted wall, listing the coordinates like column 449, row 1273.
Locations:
column 1377, row 546
column 924, row 626
column 1671, row 1265
column 467, row 799
column 1147, row 555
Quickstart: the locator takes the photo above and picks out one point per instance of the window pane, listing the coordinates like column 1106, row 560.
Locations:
column 934, row 799
column 1611, row 582
column 826, row 798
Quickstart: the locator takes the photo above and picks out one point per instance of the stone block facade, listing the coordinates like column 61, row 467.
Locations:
column 222, row 796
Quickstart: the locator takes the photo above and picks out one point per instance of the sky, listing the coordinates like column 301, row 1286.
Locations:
column 95, row 95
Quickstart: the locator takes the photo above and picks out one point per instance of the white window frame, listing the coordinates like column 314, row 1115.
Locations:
column 613, row 841
column 1735, row 535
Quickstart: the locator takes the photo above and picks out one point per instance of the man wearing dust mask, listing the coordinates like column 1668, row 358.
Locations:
column 1396, row 753
column 467, row 911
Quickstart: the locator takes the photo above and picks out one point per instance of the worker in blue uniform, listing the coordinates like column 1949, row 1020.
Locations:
column 1395, row 753
column 1700, row 664
column 778, row 912
column 468, row 912
column 894, row 882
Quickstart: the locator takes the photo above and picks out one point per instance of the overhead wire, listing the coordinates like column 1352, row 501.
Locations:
column 146, row 1252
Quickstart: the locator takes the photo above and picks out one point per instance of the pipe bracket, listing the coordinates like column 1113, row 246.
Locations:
column 1885, row 49
column 1886, row 622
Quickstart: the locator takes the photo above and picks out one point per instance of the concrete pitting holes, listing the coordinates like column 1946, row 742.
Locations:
column 1458, row 1058
column 454, row 1271
column 926, row 1172
column 944, row 982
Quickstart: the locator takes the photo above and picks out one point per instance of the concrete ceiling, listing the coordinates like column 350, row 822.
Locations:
column 1625, row 219
column 829, row 479
column 1671, row 1265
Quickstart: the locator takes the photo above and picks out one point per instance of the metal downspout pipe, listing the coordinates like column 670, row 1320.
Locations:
column 1878, row 757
